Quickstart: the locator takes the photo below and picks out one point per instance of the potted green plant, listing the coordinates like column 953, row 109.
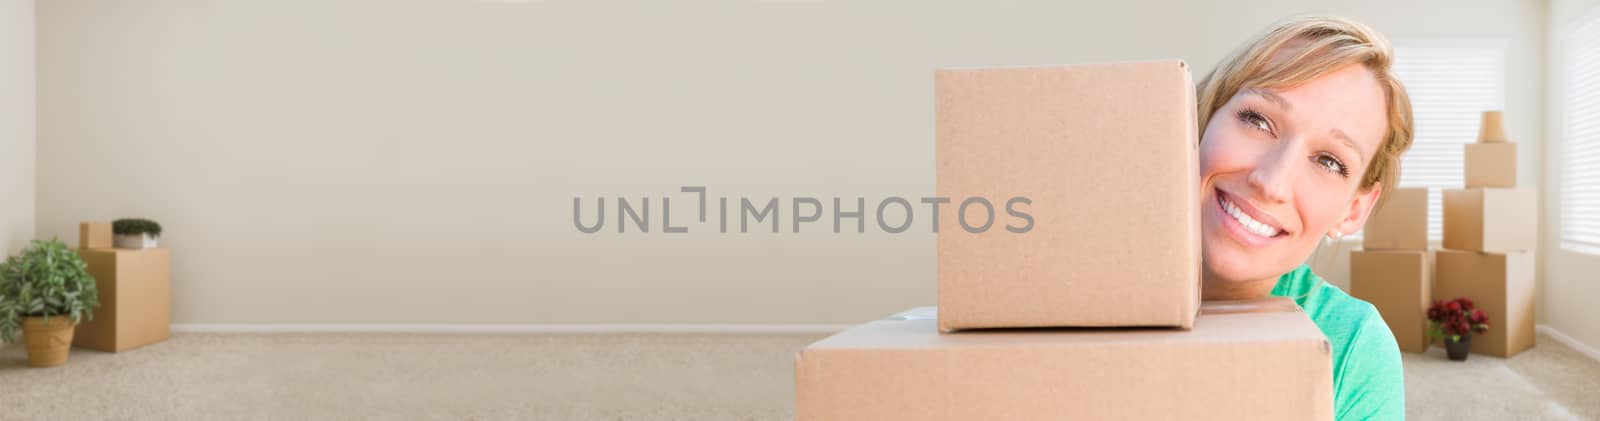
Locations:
column 44, row 293
column 1455, row 321
column 135, row 233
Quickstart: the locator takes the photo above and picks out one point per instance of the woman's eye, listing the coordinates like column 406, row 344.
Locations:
column 1333, row 165
column 1255, row 120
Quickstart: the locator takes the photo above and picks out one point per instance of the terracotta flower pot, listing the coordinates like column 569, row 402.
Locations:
column 48, row 342
column 1457, row 351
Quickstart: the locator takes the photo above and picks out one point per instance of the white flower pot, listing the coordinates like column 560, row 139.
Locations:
column 139, row 241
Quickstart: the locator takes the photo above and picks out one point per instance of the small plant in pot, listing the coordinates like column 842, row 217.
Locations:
column 44, row 293
column 1456, row 321
column 135, row 233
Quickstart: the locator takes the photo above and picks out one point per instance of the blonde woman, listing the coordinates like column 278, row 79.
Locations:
column 1302, row 131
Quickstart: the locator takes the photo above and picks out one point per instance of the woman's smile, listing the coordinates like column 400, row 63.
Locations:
column 1246, row 224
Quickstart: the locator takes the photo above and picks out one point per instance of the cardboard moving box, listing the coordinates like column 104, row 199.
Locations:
column 1242, row 360
column 1502, row 284
column 1107, row 155
column 1397, row 283
column 1402, row 222
column 1491, row 165
column 1492, row 220
column 135, row 297
column 94, row 235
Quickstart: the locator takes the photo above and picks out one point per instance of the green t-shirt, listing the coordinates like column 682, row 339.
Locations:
column 1368, row 381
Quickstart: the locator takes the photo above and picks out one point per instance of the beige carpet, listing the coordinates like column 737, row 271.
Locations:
column 695, row 377
column 1548, row 382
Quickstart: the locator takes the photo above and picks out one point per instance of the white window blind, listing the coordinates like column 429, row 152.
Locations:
column 1451, row 82
column 1580, row 128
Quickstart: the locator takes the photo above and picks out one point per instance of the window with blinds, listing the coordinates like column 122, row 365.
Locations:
column 1580, row 135
column 1451, row 82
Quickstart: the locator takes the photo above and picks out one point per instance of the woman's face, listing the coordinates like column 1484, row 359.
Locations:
column 1281, row 169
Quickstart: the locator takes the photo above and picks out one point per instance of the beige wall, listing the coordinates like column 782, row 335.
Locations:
column 16, row 125
column 377, row 161
column 1572, row 279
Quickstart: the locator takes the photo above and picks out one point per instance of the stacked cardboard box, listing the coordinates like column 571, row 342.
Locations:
column 1108, row 278
column 1391, row 269
column 1502, row 285
column 1490, row 233
column 1107, row 156
column 1267, row 362
column 134, row 293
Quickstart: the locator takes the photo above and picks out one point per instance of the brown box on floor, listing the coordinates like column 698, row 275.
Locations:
column 1397, row 283
column 94, row 235
column 134, row 299
column 1502, row 285
column 1491, row 219
column 1242, row 360
column 1104, row 160
column 1402, row 222
column 1491, row 165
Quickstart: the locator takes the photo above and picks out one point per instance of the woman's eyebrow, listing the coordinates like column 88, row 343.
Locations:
column 1344, row 138
column 1271, row 97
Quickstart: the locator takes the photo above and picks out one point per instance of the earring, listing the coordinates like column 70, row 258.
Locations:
column 1335, row 235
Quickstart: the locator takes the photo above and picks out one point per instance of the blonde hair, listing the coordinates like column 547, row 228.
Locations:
column 1319, row 45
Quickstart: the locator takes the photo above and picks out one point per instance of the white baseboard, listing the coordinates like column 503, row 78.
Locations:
column 1569, row 341
column 744, row 329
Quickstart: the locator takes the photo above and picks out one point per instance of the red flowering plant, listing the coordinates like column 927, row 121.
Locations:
column 1455, row 318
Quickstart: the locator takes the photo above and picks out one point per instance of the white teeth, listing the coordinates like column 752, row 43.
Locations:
column 1250, row 224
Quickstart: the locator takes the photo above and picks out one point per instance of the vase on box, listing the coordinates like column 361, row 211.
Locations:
column 134, row 241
